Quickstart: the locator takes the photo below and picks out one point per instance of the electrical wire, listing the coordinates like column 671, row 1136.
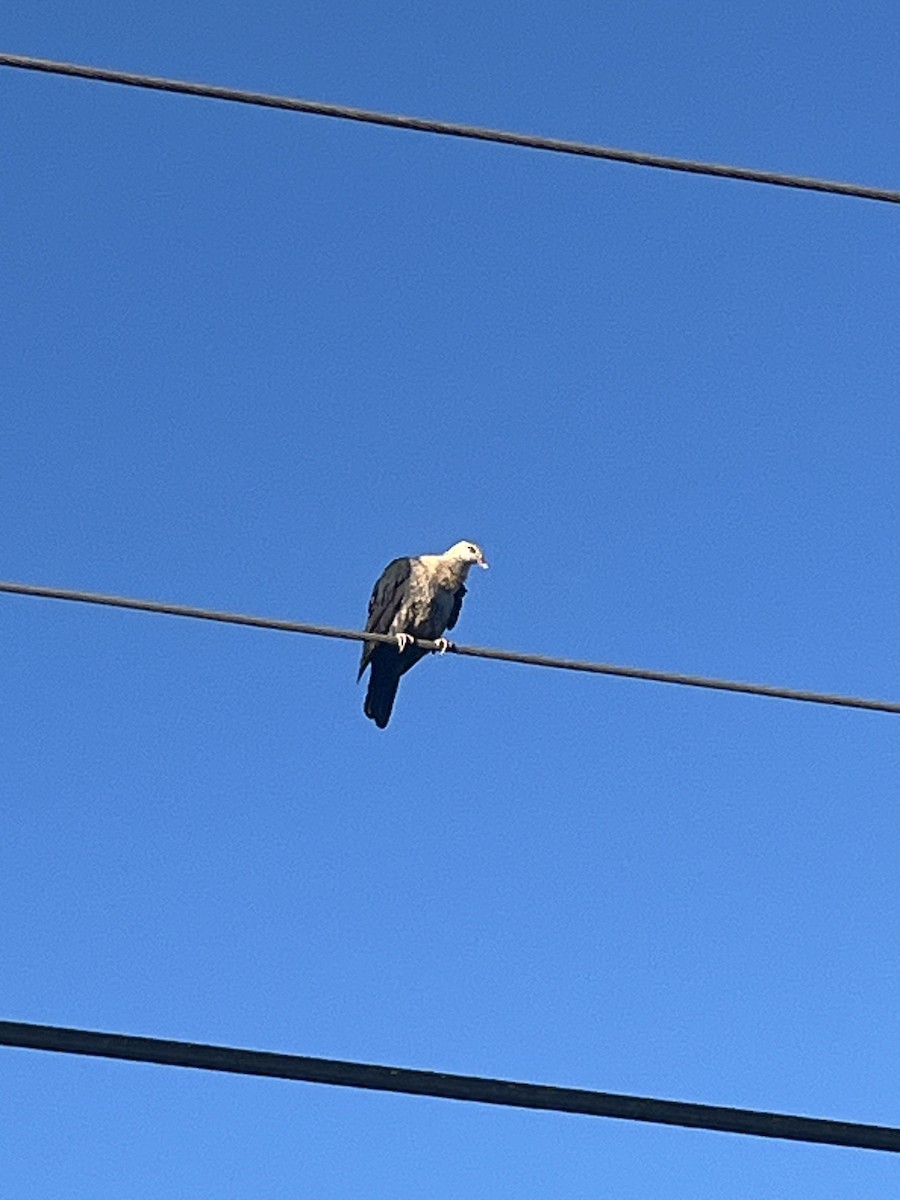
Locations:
column 472, row 1088
column 512, row 656
column 449, row 128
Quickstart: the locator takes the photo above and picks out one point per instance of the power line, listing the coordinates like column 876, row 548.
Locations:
column 449, row 128
column 513, row 656
column 472, row 1088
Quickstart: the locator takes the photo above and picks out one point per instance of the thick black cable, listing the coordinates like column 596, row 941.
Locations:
column 513, row 656
column 472, row 1088
column 449, row 128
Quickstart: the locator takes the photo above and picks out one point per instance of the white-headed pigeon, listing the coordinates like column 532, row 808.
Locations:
column 414, row 598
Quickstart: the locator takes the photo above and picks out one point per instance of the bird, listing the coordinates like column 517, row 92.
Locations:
column 416, row 597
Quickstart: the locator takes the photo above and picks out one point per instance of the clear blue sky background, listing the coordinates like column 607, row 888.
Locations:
column 247, row 358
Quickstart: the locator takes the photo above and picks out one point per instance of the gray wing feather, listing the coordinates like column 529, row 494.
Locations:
column 457, row 605
column 388, row 596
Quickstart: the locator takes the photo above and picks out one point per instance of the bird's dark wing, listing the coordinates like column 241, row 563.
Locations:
column 388, row 596
column 457, row 605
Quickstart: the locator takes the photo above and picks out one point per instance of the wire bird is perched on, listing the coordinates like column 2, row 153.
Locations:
column 414, row 598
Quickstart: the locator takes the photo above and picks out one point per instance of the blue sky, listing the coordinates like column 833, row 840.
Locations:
column 248, row 357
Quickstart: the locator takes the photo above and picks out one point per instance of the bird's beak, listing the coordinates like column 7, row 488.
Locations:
column 483, row 564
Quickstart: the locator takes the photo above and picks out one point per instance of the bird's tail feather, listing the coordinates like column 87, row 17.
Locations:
column 383, row 684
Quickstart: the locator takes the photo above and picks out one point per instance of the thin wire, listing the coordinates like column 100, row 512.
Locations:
column 472, row 1088
column 449, row 129
column 533, row 660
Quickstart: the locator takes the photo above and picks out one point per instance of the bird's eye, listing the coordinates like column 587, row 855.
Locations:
column 473, row 549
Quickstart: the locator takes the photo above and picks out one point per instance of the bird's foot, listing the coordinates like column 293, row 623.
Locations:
column 441, row 646
column 404, row 640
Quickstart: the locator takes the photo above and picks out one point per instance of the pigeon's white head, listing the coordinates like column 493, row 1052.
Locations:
column 467, row 552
